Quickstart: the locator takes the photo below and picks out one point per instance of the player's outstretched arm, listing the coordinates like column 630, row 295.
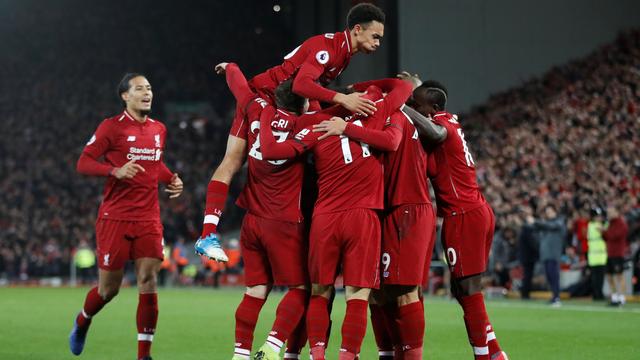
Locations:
column 386, row 140
column 237, row 83
column 427, row 129
column 306, row 86
column 398, row 91
column 272, row 150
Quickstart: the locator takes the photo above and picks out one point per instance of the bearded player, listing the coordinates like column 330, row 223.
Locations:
column 468, row 220
column 128, row 225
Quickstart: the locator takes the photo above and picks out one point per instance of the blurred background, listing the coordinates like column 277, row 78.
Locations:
column 548, row 93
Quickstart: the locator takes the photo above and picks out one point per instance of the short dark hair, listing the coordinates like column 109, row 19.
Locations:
column 434, row 92
column 288, row 100
column 364, row 13
column 124, row 85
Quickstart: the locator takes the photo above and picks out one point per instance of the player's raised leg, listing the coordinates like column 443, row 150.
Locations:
column 208, row 244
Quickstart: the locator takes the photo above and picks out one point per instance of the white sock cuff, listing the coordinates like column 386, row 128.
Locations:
column 385, row 353
column 275, row 343
column 291, row 356
column 145, row 337
column 243, row 353
column 483, row 350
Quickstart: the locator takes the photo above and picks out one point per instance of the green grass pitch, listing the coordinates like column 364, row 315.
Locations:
column 199, row 324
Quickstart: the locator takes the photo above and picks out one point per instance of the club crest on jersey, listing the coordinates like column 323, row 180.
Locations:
column 322, row 57
column 92, row 140
column 157, row 139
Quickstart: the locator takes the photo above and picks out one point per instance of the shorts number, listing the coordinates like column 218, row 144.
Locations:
column 386, row 261
column 346, row 149
column 451, row 256
column 255, row 153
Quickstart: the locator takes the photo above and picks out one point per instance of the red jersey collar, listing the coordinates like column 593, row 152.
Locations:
column 126, row 114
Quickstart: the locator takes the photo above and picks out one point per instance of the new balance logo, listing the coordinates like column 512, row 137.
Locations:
column 131, row 138
column 302, row 134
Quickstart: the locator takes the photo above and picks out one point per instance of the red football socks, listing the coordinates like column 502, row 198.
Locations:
column 354, row 327
column 383, row 337
column 93, row 303
column 317, row 324
column 146, row 319
column 288, row 316
column 476, row 321
column 246, row 319
column 297, row 339
column 216, row 198
column 411, row 329
column 492, row 341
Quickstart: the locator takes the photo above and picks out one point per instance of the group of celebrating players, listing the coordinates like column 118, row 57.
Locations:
column 372, row 148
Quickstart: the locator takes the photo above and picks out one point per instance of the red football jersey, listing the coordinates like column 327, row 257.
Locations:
column 121, row 139
column 320, row 58
column 350, row 175
column 454, row 177
column 273, row 187
column 405, row 170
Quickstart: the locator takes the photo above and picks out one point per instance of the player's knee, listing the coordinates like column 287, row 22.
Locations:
column 108, row 292
column 259, row 291
column 357, row 293
column 147, row 281
column 406, row 295
column 322, row 290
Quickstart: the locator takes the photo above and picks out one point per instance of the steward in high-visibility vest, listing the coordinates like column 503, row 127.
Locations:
column 597, row 246
column 597, row 253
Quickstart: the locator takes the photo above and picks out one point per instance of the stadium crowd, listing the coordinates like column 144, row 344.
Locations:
column 568, row 139
column 51, row 104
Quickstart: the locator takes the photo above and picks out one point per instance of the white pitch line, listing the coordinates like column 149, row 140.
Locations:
column 570, row 307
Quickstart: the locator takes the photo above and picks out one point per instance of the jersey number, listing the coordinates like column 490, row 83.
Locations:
column 465, row 148
column 255, row 153
column 346, row 149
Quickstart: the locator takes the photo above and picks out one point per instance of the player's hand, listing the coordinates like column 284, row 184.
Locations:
column 221, row 68
column 174, row 188
column 128, row 170
column 331, row 127
column 355, row 103
column 413, row 79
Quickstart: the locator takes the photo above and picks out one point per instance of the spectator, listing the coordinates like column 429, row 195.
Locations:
column 528, row 252
column 551, row 233
column 616, row 238
column 597, row 255
column 504, row 255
